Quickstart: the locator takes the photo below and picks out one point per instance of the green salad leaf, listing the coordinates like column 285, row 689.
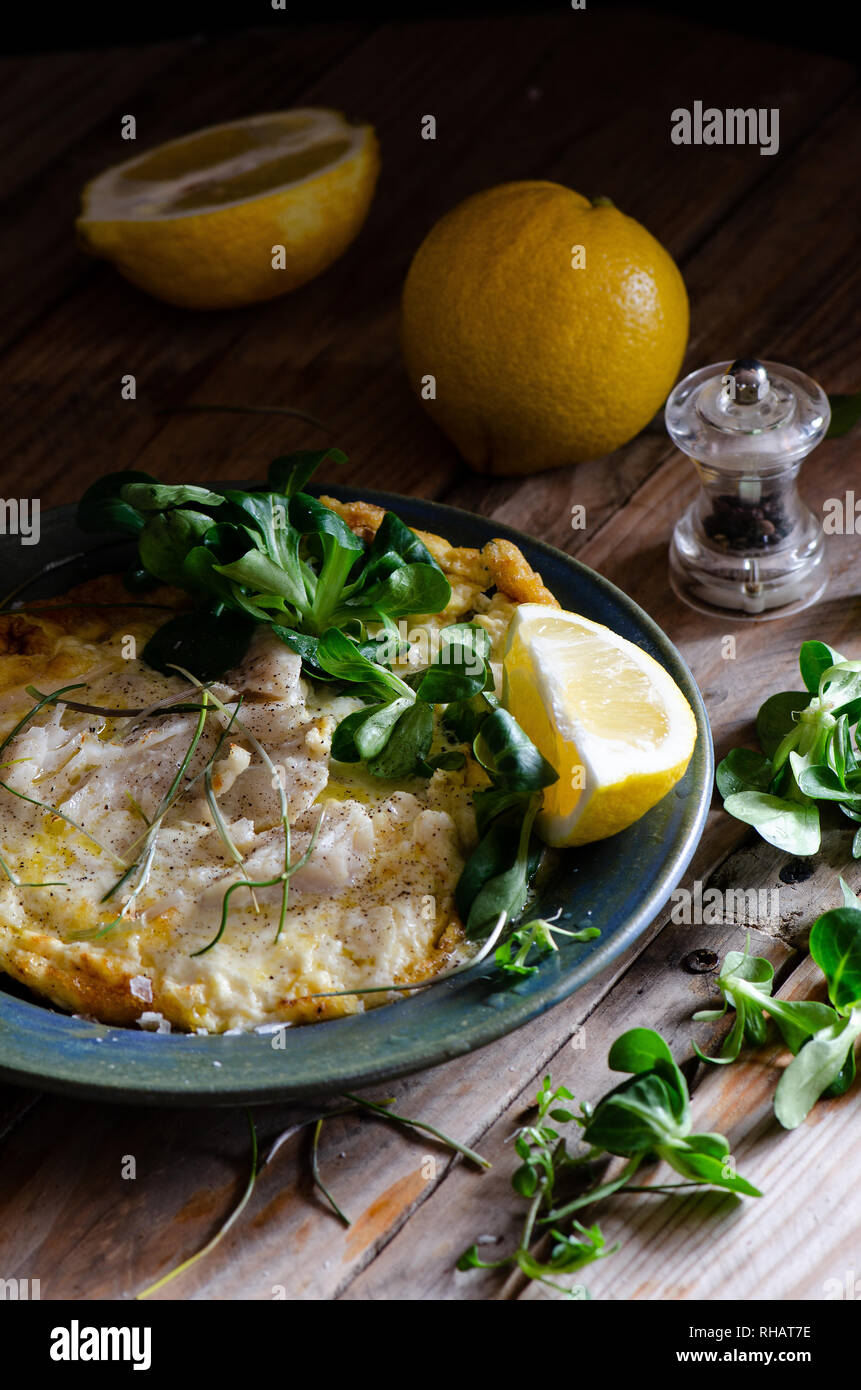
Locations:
column 273, row 553
column 820, row 1036
column 809, row 755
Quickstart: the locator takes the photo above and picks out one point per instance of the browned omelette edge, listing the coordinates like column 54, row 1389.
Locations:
column 37, row 962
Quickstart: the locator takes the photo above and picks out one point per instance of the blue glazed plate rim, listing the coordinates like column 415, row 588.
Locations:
column 42, row 1047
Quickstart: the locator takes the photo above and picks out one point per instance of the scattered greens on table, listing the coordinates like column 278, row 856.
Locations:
column 512, row 956
column 648, row 1115
column 361, row 1105
column 809, row 742
column 274, row 554
column 645, row 1118
column 821, row 1037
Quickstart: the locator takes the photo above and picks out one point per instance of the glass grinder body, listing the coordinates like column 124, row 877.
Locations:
column 748, row 544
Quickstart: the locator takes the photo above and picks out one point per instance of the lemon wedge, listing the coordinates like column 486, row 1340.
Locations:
column 235, row 213
column 603, row 712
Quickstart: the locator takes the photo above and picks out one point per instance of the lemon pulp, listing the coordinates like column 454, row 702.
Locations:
column 603, row 712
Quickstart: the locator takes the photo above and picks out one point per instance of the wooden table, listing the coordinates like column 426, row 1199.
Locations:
column 768, row 247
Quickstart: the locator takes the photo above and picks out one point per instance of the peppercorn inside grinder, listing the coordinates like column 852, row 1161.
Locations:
column 748, row 543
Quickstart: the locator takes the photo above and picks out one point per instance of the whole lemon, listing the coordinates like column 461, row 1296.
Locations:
column 541, row 328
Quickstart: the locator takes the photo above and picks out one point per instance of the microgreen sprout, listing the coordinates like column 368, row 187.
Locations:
column 275, row 555
column 512, row 955
column 284, row 877
column 544, row 1156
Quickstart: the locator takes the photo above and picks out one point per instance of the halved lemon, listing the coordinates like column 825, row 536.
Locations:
column 235, row 213
column 607, row 716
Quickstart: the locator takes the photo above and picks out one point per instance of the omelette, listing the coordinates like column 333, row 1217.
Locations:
column 109, row 906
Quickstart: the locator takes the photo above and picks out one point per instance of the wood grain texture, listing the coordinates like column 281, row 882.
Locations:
column 332, row 346
column 655, row 986
column 768, row 250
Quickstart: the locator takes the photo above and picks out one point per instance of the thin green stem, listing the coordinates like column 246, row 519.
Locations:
column 657, row 1186
column 532, row 1216
column 595, row 1194
column 296, row 1128
column 19, row 883
column 282, row 799
column 149, row 838
column 222, row 1231
column 259, row 883
column 443, row 975
column 55, row 811
column 110, row 713
column 212, row 800
column 168, row 798
column 49, row 568
column 318, row 1181
column 25, row 720
column 389, row 1115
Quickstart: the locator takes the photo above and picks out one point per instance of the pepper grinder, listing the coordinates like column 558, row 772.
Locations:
column 748, row 544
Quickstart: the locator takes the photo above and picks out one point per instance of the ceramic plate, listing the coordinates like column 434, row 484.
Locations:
column 618, row 885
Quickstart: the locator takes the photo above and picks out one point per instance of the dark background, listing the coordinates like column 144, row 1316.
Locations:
column 826, row 27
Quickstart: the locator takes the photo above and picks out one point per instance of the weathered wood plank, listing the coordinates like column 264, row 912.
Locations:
column 655, row 988
column 191, row 1167
column 381, row 1178
column 49, row 103
column 733, row 692
column 15, row 1103
column 332, row 347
